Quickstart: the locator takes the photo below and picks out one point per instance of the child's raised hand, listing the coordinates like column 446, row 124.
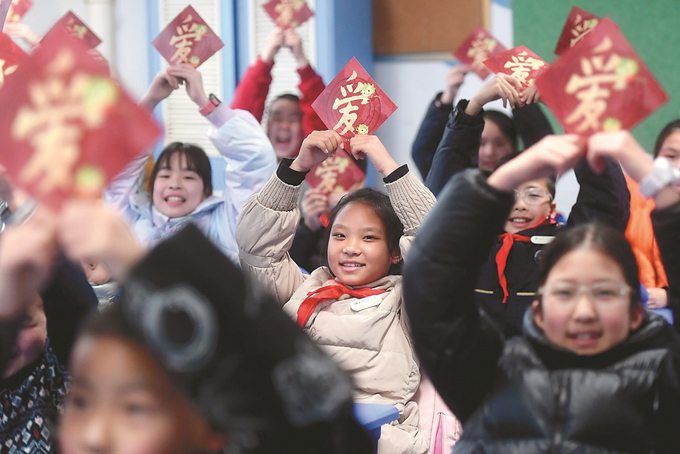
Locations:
column 27, row 253
column 272, row 46
column 89, row 230
column 363, row 145
column 192, row 80
column 502, row 86
column 161, row 87
column 530, row 95
column 622, row 147
column 550, row 157
column 293, row 41
column 454, row 79
column 318, row 146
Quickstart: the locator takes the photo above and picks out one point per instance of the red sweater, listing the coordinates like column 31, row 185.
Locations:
column 251, row 93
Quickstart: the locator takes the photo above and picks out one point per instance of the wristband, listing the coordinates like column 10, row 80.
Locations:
column 213, row 102
column 664, row 174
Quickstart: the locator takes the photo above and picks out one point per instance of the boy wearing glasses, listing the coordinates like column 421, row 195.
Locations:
column 509, row 277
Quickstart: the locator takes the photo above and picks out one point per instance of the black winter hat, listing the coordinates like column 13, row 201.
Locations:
column 244, row 364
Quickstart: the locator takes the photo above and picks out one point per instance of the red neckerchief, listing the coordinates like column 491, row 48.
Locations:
column 334, row 290
column 502, row 254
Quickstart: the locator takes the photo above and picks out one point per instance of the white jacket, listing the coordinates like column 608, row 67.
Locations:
column 250, row 161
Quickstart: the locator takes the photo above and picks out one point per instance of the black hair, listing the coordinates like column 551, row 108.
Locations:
column 505, row 124
column 380, row 204
column 663, row 135
column 598, row 237
column 549, row 181
column 196, row 159
column 288, row 97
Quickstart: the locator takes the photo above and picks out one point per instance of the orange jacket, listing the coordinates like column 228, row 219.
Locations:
column 641, row 237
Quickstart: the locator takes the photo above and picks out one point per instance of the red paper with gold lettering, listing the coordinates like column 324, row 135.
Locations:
column 520, row 63
column 288, row 13
column 476, row 49
column 11, row 56
column 579, row 23
column 353, row 103
column 75, row 28
column 67, row 128
column 17, row 10
column 187, row 39
column 337, row 172
column 600, row 85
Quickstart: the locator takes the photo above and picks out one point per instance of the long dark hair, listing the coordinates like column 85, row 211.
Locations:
column 663, row 135
column 598, row 237
column 505, row 124
column 197, row 161
column 380, row 204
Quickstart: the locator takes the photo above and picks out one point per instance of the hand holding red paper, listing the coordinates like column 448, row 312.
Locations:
column 579, row 23
column 600, row 85
column 318, row 146
column 476, row 49
column 520, row 63
column 502, row 86
column 288, row 13
column 75, row 28
column 371, row 146
column 68, row 128
column 187, row 39
column 15, row 10
column 353, row 103
column 337, row 172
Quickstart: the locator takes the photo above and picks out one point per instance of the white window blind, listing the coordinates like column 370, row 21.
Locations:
column 182, row 121
column 285, row 78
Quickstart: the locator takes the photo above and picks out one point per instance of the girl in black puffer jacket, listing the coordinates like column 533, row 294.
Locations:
column 593, row 372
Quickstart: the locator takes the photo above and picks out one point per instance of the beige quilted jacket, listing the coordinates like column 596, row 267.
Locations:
column 374, row 344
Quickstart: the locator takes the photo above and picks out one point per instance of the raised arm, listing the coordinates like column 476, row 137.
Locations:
column 311, row 85
column 432, row 127
column 130, row 180
column 459, row 147
column 251, row 92
column 266, row 227
column 458, row 345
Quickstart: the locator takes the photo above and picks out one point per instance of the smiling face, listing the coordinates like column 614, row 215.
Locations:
column 177, row 190
column 284, row 127
column 358, row 251
column 493, row 147
column 523, row 214
column 122, row 401
column 580, row 324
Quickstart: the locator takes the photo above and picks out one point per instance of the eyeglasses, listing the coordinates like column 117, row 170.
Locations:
column 601, row 293
column 533, row 196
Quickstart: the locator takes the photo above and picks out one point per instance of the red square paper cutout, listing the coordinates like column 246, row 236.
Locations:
column 579, row 23
column 476, row 49
column 520, row 63
column 600, row 85
column 17, row 10
column 353, row 103
column 288, row 13
column 67, row 128
column 336, row 172
column 75, row 28
column 187, row 39
column 11, row 56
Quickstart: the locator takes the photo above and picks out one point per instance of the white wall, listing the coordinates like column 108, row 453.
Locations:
column 412, row 83
column 129, row 25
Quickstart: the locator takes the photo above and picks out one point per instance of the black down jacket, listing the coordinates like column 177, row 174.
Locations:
column 527, row 395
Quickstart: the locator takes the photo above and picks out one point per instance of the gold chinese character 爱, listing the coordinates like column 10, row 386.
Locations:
column 328, row 171
column 287, row 10
column 479, row 51
column 581, row 29
column 359, row 92
column 521, row 65
column 54, row 122
column 590, row 86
